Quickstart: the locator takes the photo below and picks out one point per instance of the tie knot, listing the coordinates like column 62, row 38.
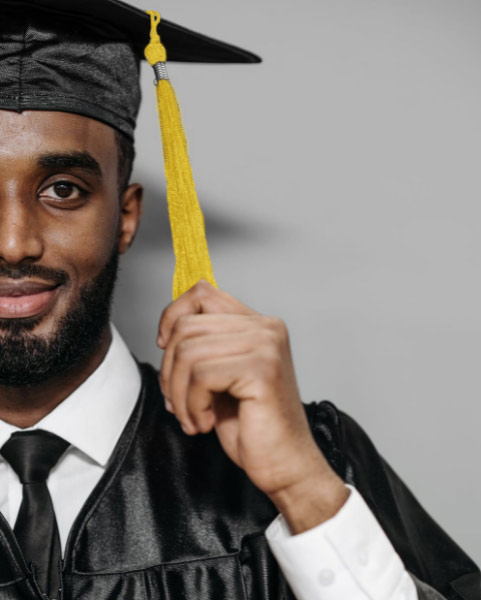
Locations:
column 33, row 454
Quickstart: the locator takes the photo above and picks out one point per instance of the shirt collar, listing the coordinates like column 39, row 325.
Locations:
column 93, row 417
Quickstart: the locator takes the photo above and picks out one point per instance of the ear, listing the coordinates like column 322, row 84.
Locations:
column 130, row 214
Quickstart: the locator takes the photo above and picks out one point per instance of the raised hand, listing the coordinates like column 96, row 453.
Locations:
column 229, row 368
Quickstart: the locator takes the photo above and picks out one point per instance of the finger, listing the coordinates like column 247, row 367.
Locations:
column 210, row 398
column 202, row 298
column 196, row 350
column 200, row 325
column 200, row 402
column 167, row 403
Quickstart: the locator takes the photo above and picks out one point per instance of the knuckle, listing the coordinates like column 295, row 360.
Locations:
column 181, row 325
column 274, row 331
column 199, row 375
column 202, row 288
column 269, row 364
column 277, row 325
column 182, row 351
column 269, row 337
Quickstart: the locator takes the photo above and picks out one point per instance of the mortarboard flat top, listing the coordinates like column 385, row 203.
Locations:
column 183, row 44
column 82, row 56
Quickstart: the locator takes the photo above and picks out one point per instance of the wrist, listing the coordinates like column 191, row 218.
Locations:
column 312, row 500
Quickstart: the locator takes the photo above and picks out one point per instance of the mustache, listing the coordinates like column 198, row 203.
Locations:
column 55, row 276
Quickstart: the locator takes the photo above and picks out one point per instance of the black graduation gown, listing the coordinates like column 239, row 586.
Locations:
column 173, row 518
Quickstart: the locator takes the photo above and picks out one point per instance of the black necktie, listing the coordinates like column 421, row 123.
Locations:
column 32, row 455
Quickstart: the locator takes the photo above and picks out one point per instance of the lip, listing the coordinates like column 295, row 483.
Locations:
column 28, row 298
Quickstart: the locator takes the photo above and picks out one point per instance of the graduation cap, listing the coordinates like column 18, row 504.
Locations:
column 83, row 57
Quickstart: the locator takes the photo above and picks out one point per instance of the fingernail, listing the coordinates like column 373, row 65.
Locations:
column 168, row 405
column 160, row 341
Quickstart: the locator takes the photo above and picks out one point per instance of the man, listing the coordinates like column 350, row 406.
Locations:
column 106, row 487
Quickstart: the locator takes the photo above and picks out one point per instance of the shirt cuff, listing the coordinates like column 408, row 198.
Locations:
column 348, row 556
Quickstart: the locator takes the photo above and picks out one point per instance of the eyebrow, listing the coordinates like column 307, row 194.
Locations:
column 70, row 160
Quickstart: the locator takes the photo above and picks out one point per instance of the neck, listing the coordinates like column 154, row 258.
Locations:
column 25, row 406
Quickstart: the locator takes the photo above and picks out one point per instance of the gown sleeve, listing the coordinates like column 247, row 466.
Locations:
column 440, row 569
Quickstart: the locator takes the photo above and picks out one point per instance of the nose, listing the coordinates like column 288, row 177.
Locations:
column 20, row 239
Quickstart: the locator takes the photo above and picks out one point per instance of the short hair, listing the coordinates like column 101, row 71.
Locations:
column 126, row 157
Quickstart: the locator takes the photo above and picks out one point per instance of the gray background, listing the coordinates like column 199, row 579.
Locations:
column 341, row 186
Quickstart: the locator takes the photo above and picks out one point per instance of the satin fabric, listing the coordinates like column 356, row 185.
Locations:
column 174, row 518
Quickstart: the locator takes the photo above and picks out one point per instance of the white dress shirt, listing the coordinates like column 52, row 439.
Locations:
column 348, row 557
column 91, row 419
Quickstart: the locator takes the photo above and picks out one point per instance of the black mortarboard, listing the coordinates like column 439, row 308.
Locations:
column 83, row 57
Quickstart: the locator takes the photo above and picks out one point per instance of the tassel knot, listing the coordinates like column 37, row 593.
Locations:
column 155, row 51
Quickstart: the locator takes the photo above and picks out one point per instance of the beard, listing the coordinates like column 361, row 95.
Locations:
column 27, row 359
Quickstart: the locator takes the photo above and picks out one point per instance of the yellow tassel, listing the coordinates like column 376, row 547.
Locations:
column 192, row 260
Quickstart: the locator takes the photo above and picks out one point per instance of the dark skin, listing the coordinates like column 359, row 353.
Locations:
column 225, row 368
column 74, row 233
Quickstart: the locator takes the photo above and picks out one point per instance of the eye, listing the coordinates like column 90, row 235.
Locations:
column 64, row 191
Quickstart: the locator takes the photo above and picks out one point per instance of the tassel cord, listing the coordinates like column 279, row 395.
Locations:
column 187, row 222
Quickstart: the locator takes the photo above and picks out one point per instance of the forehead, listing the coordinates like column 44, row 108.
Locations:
column 30, row 133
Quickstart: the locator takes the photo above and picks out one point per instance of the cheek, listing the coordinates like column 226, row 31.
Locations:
column 82, row 243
